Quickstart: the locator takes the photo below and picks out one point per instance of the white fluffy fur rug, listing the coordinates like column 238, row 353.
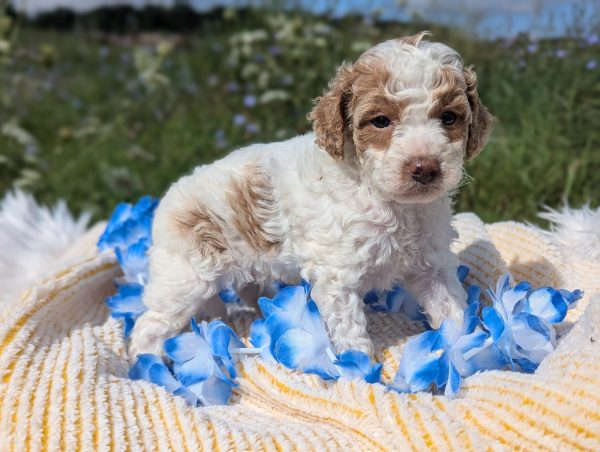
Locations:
column 33, row 238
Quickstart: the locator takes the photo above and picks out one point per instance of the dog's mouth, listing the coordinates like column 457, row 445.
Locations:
column 419, row 192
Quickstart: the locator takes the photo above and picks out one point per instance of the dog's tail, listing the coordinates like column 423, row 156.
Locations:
column 33, row 241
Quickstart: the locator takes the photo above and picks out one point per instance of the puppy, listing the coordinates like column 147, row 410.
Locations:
column 362, row 203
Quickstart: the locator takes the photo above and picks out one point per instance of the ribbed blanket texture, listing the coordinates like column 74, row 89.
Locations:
column 64, row 385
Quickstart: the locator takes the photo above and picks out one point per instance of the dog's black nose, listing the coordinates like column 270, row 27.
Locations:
column 424, row 169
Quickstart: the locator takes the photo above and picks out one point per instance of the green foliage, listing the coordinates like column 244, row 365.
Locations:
column 99, row 118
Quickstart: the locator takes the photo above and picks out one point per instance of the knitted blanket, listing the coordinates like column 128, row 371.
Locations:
column 64, row 385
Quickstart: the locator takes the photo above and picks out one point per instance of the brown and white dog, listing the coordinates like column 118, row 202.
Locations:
column 362, row 203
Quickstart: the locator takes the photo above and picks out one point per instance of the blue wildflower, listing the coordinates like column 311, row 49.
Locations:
column 250, row 100
column 232, row 87
column 592, row 39
column 560, row 53
column 239, row 119
column 252, row 128
column 532, row 47
column 274, row 50
column 127, row 304
column 220, row 140
column 591, row 64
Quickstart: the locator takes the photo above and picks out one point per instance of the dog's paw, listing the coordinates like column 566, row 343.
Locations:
column 447, row 309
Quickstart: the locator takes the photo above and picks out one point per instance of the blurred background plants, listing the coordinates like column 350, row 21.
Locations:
column 114, row 104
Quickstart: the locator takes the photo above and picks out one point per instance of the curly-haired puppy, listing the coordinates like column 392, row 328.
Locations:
column 362, row 203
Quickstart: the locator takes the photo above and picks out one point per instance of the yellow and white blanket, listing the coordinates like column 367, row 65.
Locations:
column 64, row 385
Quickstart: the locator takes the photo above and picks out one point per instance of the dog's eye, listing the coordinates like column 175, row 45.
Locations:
column 381, row 122
column 448, row 118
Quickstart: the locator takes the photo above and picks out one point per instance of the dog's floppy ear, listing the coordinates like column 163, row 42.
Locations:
column 329, row 115
column 481, row 123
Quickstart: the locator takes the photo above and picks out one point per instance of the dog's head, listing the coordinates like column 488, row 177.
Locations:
column 408, row 112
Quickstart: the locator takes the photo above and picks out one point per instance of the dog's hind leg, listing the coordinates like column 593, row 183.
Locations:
column 175, row 292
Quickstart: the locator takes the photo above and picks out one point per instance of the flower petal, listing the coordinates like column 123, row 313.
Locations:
column 267, row 307
column 462, row 272
column 531, row 332
column 322, row 366
column 191, row 398
column 230, row 296
column 159, row 374
column 278, row 324
column 291, row 298
column 184, row 346
column 215, row 391
column 139, row 370
column 547, row 303
column 493, row 322
column 199, row 368
column 221, row 337
column 127, row 301
column 294, row 349
column 419, row 363
column 453, row 384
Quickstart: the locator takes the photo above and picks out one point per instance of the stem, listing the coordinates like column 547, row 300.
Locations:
column 245, row 351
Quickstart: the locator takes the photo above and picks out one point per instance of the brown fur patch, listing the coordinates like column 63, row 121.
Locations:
column 198, row 225
column 481, row 123
column 329, row 113
column 369, row 100
column 450, row 95
column 253, row 204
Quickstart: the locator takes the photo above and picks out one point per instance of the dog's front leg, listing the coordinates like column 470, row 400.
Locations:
column 440, row 293
column 342, row 308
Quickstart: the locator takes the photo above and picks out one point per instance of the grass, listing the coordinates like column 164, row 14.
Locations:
column 97, row 118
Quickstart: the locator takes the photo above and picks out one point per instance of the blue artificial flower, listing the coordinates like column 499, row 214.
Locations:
column 462, row 272
column 298, row 338
column 229, row 296
column 439, row 359
column 520, row 320
column 260, row 339
column 395, row 300
column 129, row 224
column 203, row 362
column 293, row 333
column 151, row 368
column 127, row 304
column 353, row 364
column 134, row 261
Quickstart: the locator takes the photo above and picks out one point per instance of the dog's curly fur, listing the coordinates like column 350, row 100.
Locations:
column 339, row 207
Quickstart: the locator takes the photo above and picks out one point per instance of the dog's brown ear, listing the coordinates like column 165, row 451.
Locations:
column 481, row 124
column 329, row 115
